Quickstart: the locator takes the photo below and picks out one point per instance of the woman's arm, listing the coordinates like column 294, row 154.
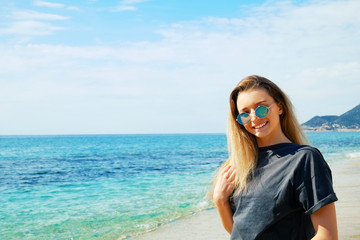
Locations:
column 324, row 222
column 222, row 191
column 226, row 215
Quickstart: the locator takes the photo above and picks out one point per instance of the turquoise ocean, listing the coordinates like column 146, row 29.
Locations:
column 116, row 186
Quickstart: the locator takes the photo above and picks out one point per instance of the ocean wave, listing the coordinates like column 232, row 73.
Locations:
column 353, row 155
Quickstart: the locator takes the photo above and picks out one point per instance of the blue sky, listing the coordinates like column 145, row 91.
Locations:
column 135, row 66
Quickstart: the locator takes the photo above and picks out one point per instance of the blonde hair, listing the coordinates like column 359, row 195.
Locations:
column 242, row 146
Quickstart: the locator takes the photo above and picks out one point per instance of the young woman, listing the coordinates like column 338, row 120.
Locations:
column 273, row 185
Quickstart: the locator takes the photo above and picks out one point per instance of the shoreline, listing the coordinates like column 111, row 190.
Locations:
column 202, row 225
column 207, row 225
column 335, row 130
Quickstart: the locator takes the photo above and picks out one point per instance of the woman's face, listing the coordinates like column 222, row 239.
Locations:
column 267, row 130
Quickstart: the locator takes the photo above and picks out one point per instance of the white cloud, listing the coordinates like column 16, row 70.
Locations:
column 128, row 5
column 225, row 21
column 73, row 8
column 39, row 3
column 48, row 4
column 32, row 23
column 33, row 15
column 125, row 8
column 132, row 1
column 30, row 28
column 181, row 83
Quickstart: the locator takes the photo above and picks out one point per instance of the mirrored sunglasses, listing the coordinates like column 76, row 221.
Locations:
column 261, row 112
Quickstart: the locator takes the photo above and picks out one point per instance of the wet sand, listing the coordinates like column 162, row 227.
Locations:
column 207, row 225
column 204, row 225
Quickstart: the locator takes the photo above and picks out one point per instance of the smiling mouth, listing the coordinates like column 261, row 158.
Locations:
column 260, row 126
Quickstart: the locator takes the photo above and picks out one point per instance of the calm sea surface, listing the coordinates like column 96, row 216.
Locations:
column 115, row 186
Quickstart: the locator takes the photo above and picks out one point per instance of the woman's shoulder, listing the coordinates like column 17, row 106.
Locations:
column 291, row 148
column 308, row 151
column 300, row 153
column 309, row 157
column 292, row 152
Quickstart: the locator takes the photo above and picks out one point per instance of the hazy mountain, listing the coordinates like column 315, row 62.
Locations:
column 347, row 121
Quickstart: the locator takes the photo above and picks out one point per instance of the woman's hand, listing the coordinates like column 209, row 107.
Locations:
column 223, row 188
column 224, row 185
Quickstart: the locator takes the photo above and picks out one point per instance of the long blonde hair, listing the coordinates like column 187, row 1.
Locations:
column 242, row 146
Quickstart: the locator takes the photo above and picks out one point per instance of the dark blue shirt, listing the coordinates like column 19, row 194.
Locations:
column 290, row 182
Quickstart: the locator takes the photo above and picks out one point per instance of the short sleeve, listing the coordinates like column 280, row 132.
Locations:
column 313, row 181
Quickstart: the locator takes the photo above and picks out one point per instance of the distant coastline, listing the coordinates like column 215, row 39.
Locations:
column 347, row 122
column 320, row 129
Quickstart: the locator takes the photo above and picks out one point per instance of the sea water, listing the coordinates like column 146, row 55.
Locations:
column 116, row 186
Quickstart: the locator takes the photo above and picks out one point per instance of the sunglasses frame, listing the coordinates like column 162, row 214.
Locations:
column 239, row 115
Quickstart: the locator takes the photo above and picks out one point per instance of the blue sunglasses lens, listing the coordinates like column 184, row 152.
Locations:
column 262, row 111
column 243, row 118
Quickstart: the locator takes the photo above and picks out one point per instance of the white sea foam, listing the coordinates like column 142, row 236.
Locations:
column 353, row 155
column 203, row 204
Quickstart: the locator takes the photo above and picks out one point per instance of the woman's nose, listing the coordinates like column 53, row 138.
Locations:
column 253, row 116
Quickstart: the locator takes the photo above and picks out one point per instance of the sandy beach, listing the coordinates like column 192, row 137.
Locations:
column 204, row 225
column 207, row 225
column 347, row 187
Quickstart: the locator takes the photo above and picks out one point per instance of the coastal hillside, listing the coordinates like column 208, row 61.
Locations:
column 347, row 121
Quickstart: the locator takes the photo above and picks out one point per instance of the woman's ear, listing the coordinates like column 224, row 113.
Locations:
column 280, row 108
